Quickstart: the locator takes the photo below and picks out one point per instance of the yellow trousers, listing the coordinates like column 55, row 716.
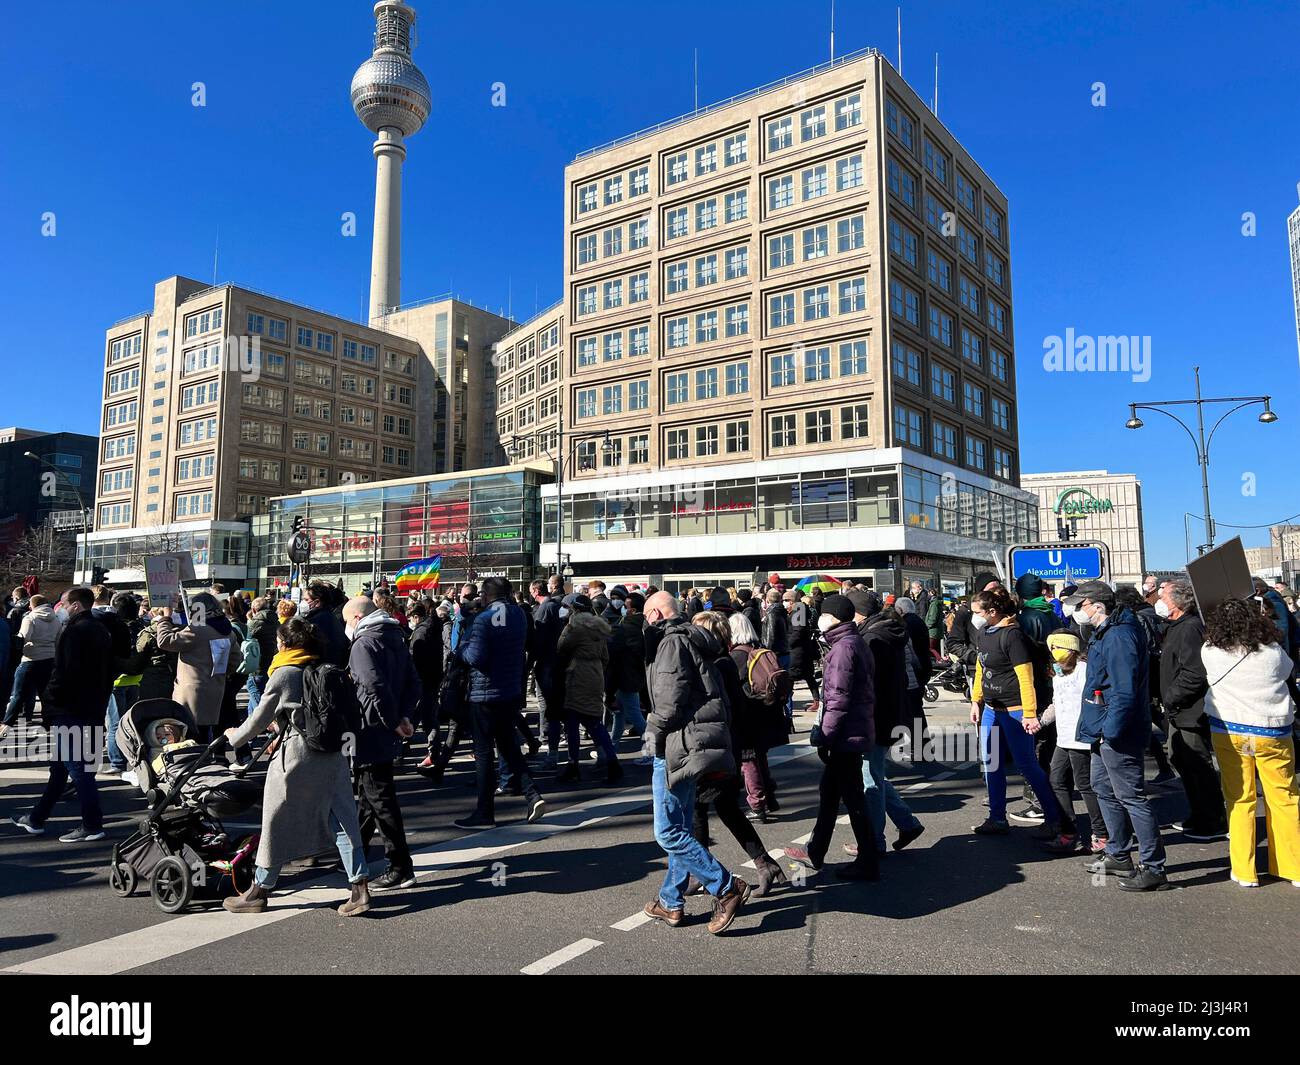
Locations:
column 1240, row 757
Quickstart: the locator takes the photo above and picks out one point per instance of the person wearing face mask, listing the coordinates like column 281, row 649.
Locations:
column 1149, row 620
column 1004, row 704
column 1116, row 721
column 1071, row 759
column 72, row 706
column 961, row 634
column 1183, row 686
column 319, row 613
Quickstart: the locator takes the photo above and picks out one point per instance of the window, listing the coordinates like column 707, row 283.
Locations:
column 678, row 223
column 967, row 244
column 587, row 249
column 816, row 242
column 611, row 452
column 816, row 182
column 816, row 426
column 130, row 346
column 972, row 347
column 587, row 351
column 639, row 287
column 853, row 422
column 812, row 123
column 943, row 383
column 780, row 192
column 853, row 358
column 638, row 395
column 678, row 278
column 126, row 381
column 304, row 337
column 780, row 251
column 706, row 383
column 936, row 161
column 782, row 431
column 613, row 294
column 850, row 234
column 277, row 329
column 816, row 364
column 900, row 124
column 737, row 205
column 780, row 372
column 639, row 340
column 611, row 400
column 198, row 395
column 677, row 390
column 938, row 270
column 816, row 302
column 853, row 295
column 587, row 300
column 738, row 320
column 909, row 426
column 903, row 242
column 706, row 215
column 905, row 303
column 706, row 440
column 677, row 171
column 993, row 221
column 638, row 234
column 1001, row 414
column 965, row 192
column 848, row 112
column 944, row 440
column 640, row 181
column 115, row 514
column 934, row 214
column 998, row 366
column 679, row 332
column 737, row 378
column 118, row 480
column 901, row 183
column 995, row 268
column 706, row 327
column 780, row 310
column 737, row 263
column 706, row 159
column 586, row 403
column 780, row 133
column 678, row 445
column 706, row 270
column 941, row 327
column 1002, row 463
column 973, row 399
column 613, row 347
column 203, row 322
column 737, row 434
column 119, row 447
column 613, row 241
column 848, row 173
column 975, row 456
column 737, row 149
column 998, row 317
column 906, row 363
column 325, row 342
column 638, row 450
column 586, row 199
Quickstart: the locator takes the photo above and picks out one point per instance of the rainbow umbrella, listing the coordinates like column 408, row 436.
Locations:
column 822, row 582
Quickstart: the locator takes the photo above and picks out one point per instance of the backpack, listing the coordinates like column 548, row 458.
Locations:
column 765, row 679
column 251, row 650
column 329, row 713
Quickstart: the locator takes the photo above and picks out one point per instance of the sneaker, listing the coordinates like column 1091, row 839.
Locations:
column 726, row 905
column 130, row 778
column 5, row 730
column 81, row 835
column 509, row 789
column 536, row 809
column 990, row 827
column 759, row 816
column 1250, row 883
column 1099, row 844
column 1106, row 864
column 660, row 912
column 1063, row 845
column 471, row 823
column 801, row 855
column 1145, row 879
column 394, row 878
column 25, row 823
column 1030, row 815
column 908, row 835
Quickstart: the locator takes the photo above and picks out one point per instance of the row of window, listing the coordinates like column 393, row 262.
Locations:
column 616, row 188
column 814, row 122
column 707, row 214
column 728, row 151
column 202, row 322
column 814, row 182
column 910, row 431
column 609, row 243
column 905, row 242
column 701, row 271
column 125, row 347
column 905, row 305
column 117, row 480
column 816, row 302
column 812, row 243
column 906, row 365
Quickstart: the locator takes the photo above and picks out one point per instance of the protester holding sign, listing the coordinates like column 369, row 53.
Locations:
column 207, row 650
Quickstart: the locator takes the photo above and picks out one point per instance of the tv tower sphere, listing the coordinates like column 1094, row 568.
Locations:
column 388, row 90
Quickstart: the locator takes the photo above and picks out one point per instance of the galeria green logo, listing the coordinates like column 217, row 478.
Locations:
column 1076, row 502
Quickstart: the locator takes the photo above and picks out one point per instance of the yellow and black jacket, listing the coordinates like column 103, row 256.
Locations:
column 1004, row 670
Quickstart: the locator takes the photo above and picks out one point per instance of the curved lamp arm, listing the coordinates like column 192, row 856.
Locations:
column 1185, row 427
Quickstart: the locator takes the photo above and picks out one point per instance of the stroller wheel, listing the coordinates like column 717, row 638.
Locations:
column 122, row 879
column 931, row 693
column 171, row 885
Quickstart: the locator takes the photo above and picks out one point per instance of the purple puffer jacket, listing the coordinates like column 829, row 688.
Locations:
column 848, row 691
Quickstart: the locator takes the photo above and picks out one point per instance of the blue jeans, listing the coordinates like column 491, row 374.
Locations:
column 255, row 686
column 572, row 722
column 29, row 679
column 673, row 810
column 347, row 838
column 79, row 765
column 1018, row 745
column 115, row 755
column 1118, row 779
column 883, row 798
column 629, row 711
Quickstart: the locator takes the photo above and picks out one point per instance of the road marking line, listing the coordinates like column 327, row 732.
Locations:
column 554, row 961
column 635, row 921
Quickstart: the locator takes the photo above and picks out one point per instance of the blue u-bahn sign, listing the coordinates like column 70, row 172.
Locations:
column 1071, row 563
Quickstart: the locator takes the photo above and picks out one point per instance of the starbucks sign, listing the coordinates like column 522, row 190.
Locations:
column 1078, row 502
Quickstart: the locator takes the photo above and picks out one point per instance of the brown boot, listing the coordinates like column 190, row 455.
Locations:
column 251, row 901
column 660, row 912
column 726, row 905
column 359, row 902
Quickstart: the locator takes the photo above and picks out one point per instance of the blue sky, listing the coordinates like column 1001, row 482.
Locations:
column 1125, row 219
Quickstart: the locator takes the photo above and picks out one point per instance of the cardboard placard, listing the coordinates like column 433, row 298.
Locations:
column 163, row 575
column 1220, row 574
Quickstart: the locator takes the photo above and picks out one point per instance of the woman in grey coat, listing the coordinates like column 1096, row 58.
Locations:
column 307, row 803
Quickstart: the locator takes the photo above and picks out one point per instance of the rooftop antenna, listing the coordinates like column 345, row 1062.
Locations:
column 935, row 107
column 510, row 296
column 216, row 250
column 697, row 79
column 832, row 31
column 900, row 42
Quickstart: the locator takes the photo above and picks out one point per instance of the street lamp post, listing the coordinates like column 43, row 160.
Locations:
column 85, row 514
column 1199, row 440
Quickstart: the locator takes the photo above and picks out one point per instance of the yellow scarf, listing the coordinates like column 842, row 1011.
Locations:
column 295, row 656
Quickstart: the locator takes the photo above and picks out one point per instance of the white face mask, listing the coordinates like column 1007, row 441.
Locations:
column 564, row 611
column 350, row 630
column 979, row 621
column 1161, row 608
column 1081, row 616
column 825, row 622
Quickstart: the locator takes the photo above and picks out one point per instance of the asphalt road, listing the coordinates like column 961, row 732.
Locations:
column 565, row 895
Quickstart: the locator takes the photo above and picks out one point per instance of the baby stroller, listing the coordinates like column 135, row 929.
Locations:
column 181, row 838
column 949, row 674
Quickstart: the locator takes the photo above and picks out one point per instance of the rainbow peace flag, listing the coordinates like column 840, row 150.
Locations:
column 423, row 574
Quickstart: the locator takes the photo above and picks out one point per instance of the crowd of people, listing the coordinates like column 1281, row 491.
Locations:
column 1075, row 690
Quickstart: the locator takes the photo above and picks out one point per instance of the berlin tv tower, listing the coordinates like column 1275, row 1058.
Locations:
column 391, row 97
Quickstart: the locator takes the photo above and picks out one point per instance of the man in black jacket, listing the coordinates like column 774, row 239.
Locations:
column 1183, row 686
column 73, row 709
column 123, row 647
column 388, row 689
column 319, row 611
column 751, row 607
column 548, row 623
column 264, row 627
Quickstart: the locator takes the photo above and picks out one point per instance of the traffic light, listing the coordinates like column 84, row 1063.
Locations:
column 297, row 523
column 98, row 575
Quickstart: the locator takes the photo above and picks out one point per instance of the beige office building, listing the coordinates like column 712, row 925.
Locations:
column 1098, row 505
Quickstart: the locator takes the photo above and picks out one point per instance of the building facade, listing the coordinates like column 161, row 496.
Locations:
column 30, row 492
column 1097, row 505
column 1293, row 237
